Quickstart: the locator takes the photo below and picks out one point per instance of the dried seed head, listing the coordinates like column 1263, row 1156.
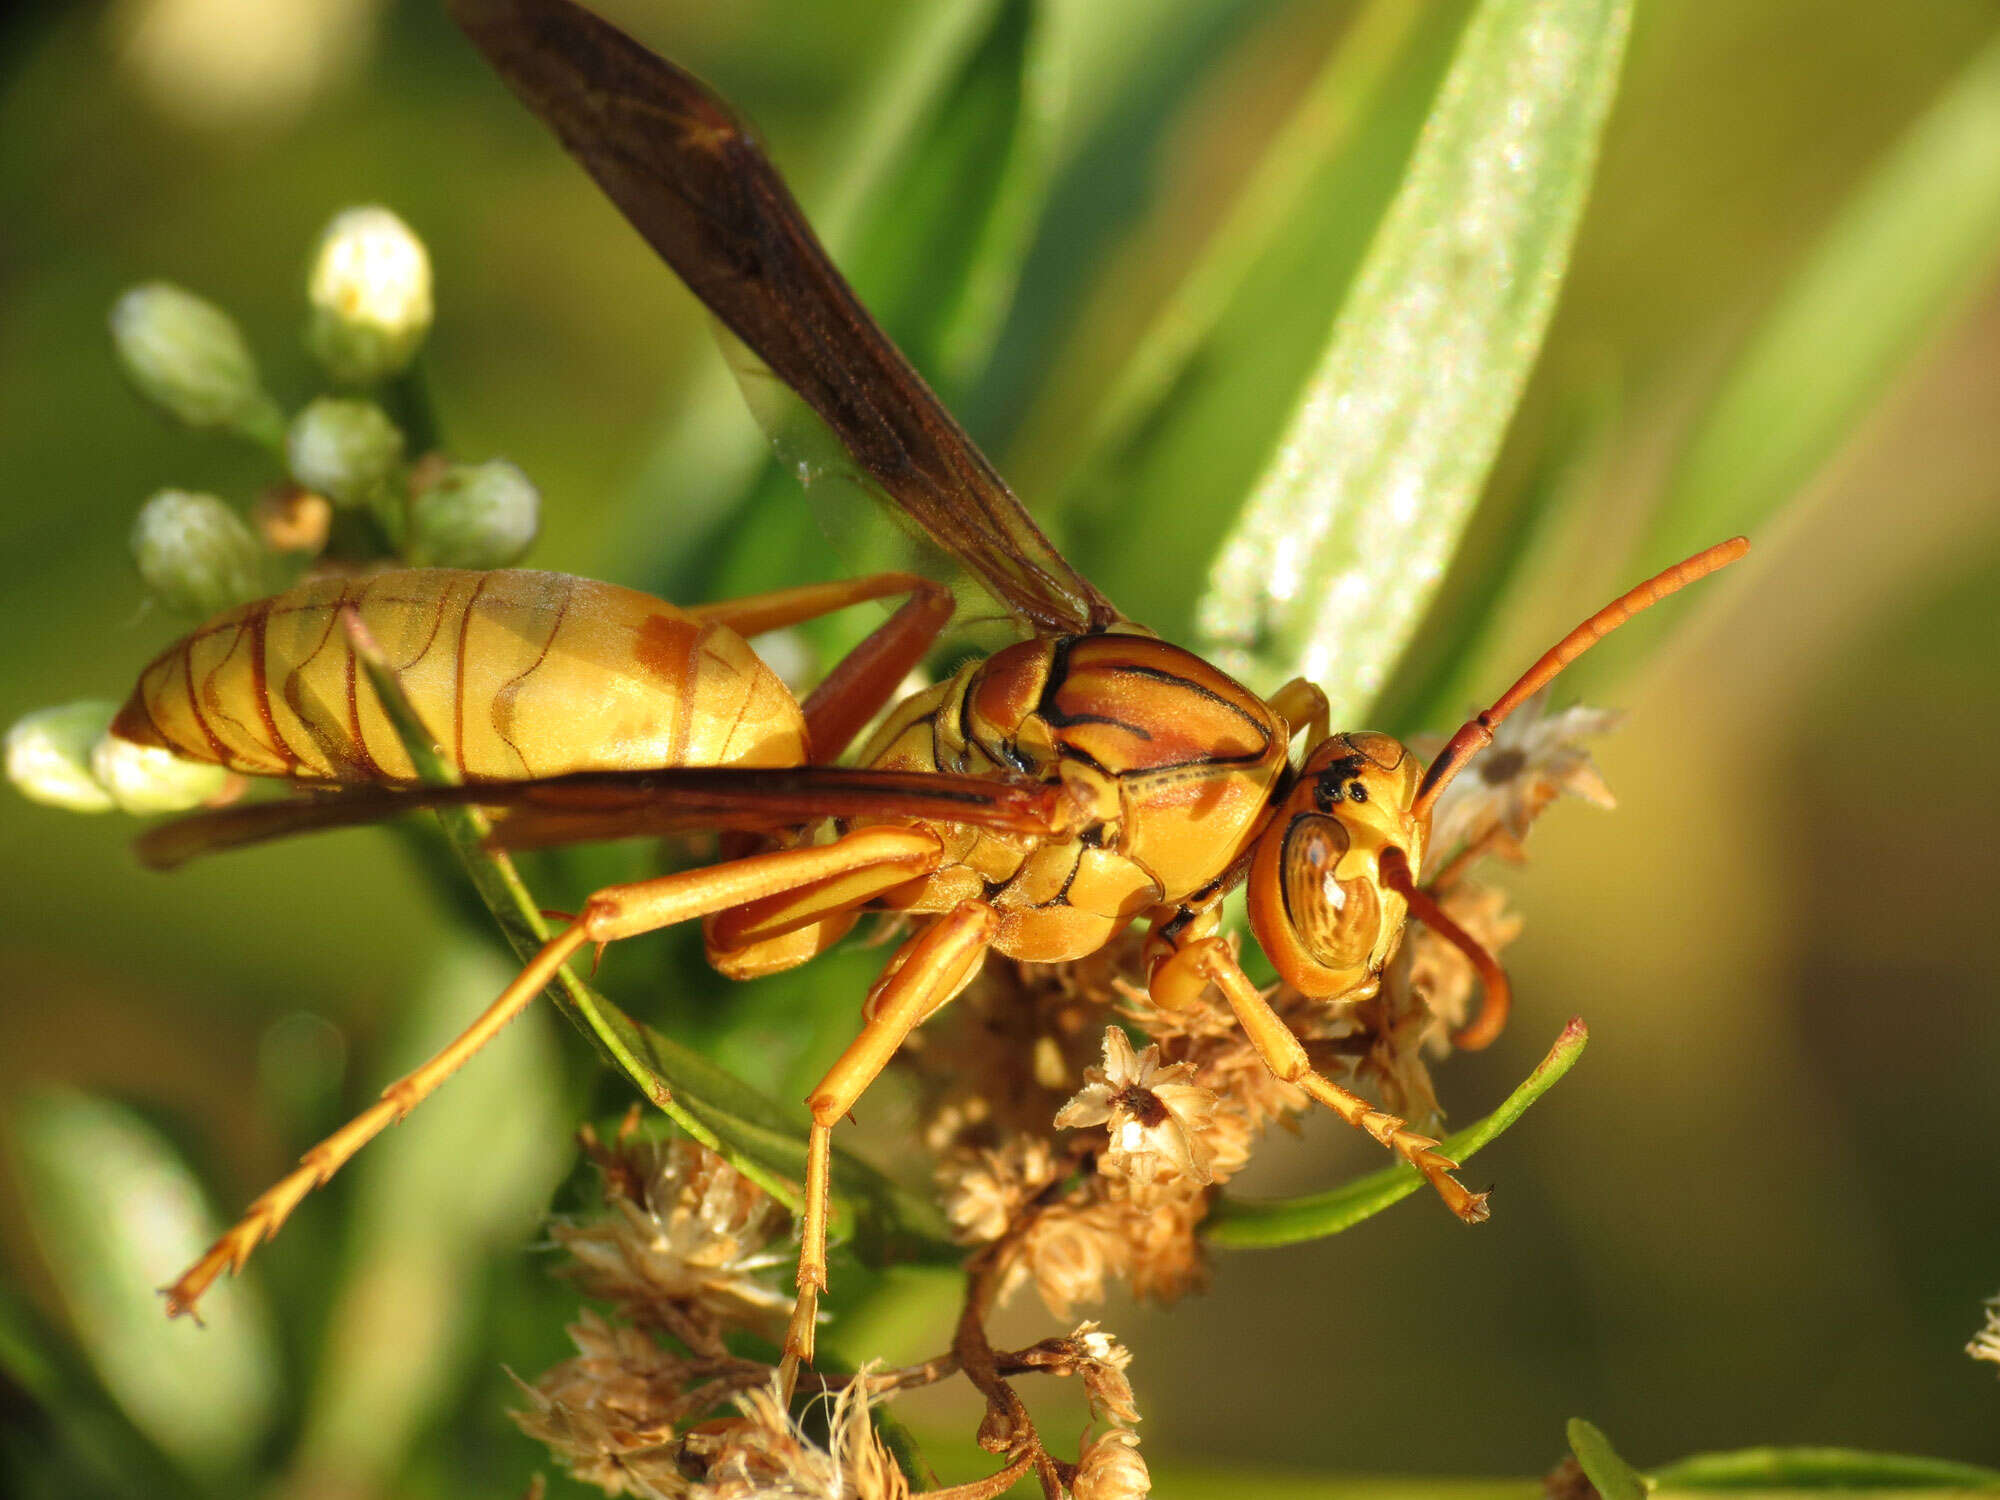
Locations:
column 1102, row 1365
column 1535, row 757
column 609, row 1416
column 1110, row 1468
column 1162, row 1256
column 1068, row 1251
column 764, row 1455
column 985, row 1190
column 1986, row 1343
column 1156, row 1114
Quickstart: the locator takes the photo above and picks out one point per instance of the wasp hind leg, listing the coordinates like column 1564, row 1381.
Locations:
column 892, row 855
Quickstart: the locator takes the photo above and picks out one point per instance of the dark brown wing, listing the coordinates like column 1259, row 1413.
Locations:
column 596, row 805
column 693, row 181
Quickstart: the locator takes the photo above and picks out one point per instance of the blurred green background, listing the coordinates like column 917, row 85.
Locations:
column 1766, row 1206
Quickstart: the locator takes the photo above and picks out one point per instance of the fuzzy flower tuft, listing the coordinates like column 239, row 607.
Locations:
column 765, row 1455
column 1986, row 1343
column 610, row 1415
column 685, row 1243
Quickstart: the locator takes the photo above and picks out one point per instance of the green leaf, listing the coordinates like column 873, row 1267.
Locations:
column 117, row 1213
column 1197, row 411
column 1239, row 1224
column 1820, row 1469
column 1613, row 1477
column 1914, row 243
column 1343, row 543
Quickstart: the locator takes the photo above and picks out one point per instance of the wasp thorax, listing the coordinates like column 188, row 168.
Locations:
column 1317, row 900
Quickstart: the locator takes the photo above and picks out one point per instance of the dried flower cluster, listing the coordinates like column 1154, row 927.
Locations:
column 1986, row 1343
column 659, row 1402
column 1087, row 1156
column 656, row 1404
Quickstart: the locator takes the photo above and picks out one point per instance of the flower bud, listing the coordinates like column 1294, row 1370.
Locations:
column 370, row 291
column 196, row 553
column 187, row 356
column 474, row 516
column 343, row 447
column 147, row 779
column 48, row 755
column 288, row 519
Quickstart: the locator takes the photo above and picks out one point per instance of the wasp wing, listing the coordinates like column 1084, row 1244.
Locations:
column 598, row 805
column 693, row 181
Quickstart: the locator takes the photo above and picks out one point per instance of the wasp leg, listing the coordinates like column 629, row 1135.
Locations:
column 926, row 974
column 1285, row 1055
column 863, row 681
column 615, row 912
column 1303, row 706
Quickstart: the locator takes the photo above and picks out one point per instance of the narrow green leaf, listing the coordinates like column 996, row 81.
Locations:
column 1197, row 410
column 1820, row 1469
column 117, row 1213
column 1613, row 1477
column 1240, row 1224
column 1913, row 244
column 1344, row 541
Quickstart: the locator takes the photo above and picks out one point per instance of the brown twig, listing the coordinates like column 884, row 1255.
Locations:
column 1006, row 1427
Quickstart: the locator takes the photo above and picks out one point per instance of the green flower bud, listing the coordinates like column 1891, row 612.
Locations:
column 474, row 516
column 344, row 448
column 370, row 291
column 146, row 779
column 187, row 356
column 48, row 755
column 196, row 553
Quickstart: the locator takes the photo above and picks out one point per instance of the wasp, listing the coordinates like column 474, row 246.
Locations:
column 1033, row 805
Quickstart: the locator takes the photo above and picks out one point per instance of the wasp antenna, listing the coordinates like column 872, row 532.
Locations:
column 1477, row 733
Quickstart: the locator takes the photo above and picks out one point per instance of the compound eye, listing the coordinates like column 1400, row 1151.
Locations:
column 1336, row 920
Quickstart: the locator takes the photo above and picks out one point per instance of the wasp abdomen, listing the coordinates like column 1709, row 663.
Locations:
column 516, row 674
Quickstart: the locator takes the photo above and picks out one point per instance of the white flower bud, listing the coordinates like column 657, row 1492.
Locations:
column 370, row 291
column 48, row 755
column 344, row 448
column 146, row 779
column 187, row 356
column 196, row 553
column 475, row 516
